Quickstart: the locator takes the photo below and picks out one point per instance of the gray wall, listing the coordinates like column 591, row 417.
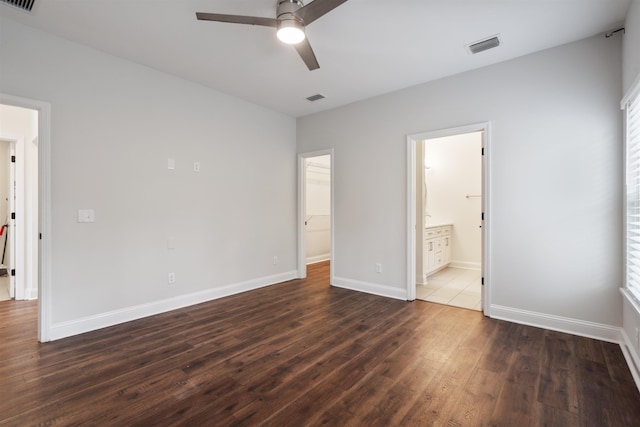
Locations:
column 114, row 126
column 555, row 177
column 631, row 46
column 631, row 71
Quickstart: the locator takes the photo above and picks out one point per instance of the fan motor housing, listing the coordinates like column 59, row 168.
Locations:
column 287, row 9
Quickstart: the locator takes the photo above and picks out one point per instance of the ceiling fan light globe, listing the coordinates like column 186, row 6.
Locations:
column 290, row 33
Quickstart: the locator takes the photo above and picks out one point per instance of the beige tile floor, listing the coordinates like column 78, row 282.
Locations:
column 459, row 287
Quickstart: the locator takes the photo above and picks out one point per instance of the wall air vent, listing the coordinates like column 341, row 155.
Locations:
column 483, row 45
column 22, row 4
column 316, row 97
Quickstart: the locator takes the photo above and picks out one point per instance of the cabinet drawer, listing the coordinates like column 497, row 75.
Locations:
column 437, row 231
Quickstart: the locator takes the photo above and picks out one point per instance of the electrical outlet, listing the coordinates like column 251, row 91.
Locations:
column 196, row 166
column 172, row 278
column 86, row 215
column 275, row 260
column 378, row 267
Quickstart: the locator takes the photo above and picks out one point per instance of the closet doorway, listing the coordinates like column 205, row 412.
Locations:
column 315, row 210
column 449, row 221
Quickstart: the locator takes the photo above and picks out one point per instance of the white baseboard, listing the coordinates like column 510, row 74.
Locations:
column 103, row 320
column 465, row 264
column 370, row 288
column 558, row 323
column 631, row 356
column 318, row 258
column 630, row 346
column 31, row 294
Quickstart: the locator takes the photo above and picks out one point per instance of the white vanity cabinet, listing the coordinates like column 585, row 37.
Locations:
column 437, row 248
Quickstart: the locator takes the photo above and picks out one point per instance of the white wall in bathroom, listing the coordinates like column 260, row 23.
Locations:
column 454, row 184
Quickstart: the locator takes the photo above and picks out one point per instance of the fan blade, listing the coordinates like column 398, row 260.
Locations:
column 237, row 19
column 316, row 9
column 307, row 55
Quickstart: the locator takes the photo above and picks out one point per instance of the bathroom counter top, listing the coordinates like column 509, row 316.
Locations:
column 440, row 224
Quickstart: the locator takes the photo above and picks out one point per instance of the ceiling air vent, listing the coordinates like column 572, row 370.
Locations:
column 22, row 4
column 483, row 45
column 316, row 97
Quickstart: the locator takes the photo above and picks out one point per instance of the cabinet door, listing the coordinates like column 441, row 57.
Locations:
column 439, row 244
column 446, row 250
column 430, row 255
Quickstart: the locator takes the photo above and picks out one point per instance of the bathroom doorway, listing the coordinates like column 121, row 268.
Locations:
column 449, row 218
column 451, row 195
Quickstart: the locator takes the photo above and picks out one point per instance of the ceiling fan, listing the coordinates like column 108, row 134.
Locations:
column 292, row 16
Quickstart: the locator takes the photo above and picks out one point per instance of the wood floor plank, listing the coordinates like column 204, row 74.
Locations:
column 401, row 397
column 553, row 417
column 303, row 353
column 502, row 344
column 438, row 399
column 588, row 349
column 523, row 369
column 516, row 406
column 530, row 341
column 596, row 405
column 558, row 389
column 558, row 350
column 477, row 399
column 479, row 335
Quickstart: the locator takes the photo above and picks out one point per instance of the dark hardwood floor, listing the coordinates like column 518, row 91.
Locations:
column 302, row 353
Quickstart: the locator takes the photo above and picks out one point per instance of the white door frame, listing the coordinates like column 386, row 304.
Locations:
column 10, row 238
column 302, row 197
column 412, row 140
column 44, row 207
column 16, row 229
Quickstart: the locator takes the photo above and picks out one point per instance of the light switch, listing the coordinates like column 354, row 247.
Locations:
column 86, row 215
column 171, row 164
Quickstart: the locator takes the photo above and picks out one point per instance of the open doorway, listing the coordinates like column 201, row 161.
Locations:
column 450, row 194
column 448, row 217
column 19, row 202
column 7, row 240
column 33, row 153
column 315, row 210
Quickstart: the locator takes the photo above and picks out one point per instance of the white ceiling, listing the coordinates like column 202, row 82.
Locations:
column 365, row 47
